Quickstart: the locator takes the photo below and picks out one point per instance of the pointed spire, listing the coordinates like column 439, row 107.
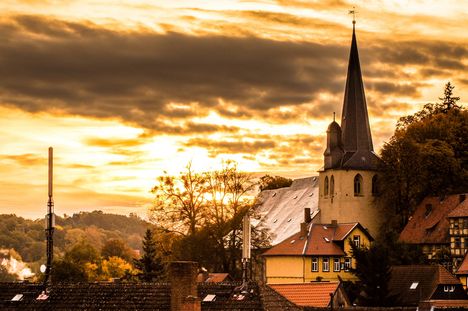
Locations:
column 356, row 134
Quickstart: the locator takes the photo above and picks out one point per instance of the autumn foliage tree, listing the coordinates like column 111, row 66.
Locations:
column 206, row 210
column 427, row 155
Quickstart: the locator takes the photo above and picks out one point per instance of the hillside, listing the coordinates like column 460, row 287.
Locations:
column 27, row 237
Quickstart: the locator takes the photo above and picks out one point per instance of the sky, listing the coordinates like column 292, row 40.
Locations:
column 126, row 90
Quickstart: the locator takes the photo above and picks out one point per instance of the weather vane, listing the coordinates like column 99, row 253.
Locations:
column 354, row 12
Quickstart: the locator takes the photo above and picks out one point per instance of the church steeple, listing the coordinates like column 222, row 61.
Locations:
column 356, row 134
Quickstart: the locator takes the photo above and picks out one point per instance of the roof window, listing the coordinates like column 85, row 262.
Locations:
column 414, row 285
column 18, row 297
column 292, row 242
column 273, row 195
column 209, row 298
column 326, row 239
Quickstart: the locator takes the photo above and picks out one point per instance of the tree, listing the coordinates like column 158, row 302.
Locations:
column 373, row 270
column 179, row 204
column 427, row 155
column 222, row 198
column 150, row 264
column 116, row 248
column 268, row 182
column 5, row 276
column 64, row 270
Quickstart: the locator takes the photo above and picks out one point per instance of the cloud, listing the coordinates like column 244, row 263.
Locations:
column 162, row 81
column 26, row 159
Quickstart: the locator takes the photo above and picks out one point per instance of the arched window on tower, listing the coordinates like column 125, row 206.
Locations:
column 375, row 185
column 325, row 186
column 332, row 186
column 358, row 185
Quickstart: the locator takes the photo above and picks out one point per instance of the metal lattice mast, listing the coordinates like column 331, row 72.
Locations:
column 50, row 222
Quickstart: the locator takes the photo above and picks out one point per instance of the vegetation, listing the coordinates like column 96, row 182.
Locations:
column 205, row 211
column 150, row 265
column 82, row 239
column 427, row 155
column 373, row 271
column 268, row 182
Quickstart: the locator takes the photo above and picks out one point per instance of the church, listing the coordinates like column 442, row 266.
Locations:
column 314, row 220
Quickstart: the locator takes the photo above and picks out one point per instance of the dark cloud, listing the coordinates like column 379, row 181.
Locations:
column 83, row 69
column 160, row 81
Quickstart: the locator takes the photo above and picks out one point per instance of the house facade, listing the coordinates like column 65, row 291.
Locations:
column 439, row 225
column 316, row 253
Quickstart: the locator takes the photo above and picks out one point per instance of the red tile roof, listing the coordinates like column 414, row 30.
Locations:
column 463, row 269
column 461, row 210
column 320, row 240
column 307, row 294
column 429, row 223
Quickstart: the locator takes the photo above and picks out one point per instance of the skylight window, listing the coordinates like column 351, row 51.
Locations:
column 17, row 297
column 414, row 285
column 209, row 298
column 289, row 220
column 295, row 197
column 326, row 239
column 325, row 227
column 292, row 242
column 274, row 194
column 274, row 221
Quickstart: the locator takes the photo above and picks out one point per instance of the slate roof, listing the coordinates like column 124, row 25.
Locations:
column 307, row 294
column 427, row 277
column 320, row 240
column 356, row 133
column 430, row 225
column 116, row 296
column 282, row 210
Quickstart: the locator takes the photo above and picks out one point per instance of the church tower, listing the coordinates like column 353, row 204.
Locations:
column 349, row 179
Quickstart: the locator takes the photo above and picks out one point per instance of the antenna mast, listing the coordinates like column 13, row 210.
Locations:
column 246, row 241
column 50, row 221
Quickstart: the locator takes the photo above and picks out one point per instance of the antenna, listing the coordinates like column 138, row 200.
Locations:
column 246, row 241
column 50, row 221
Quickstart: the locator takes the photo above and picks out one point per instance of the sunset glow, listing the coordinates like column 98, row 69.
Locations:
column 126, row 90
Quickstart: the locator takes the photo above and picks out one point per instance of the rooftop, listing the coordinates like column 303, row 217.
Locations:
column 307, row 294
column 429, row 223
column 282, row 210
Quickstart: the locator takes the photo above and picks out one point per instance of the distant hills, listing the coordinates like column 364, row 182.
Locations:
column 27, row 237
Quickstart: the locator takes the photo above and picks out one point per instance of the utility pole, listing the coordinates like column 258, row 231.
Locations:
column 246, row 241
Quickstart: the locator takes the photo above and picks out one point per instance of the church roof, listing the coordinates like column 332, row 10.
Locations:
column 282, row 210
column 356, row 134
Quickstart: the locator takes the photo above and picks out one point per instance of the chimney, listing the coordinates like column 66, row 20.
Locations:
column 334, row 223
column 303, row 229
column 307, row 217
column 462, row 197
column 183, row 277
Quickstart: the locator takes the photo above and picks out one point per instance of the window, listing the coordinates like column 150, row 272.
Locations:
column 336, row 264
column 375, row 185
column 457, row 242
column 325, row 186
column 325, row 265
column 332, row 186
column 455, row 224
column 358, row 185
column 428, row 210
column 347, row 264
column 315, row 264
column 449, row 289
column 357, row 240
